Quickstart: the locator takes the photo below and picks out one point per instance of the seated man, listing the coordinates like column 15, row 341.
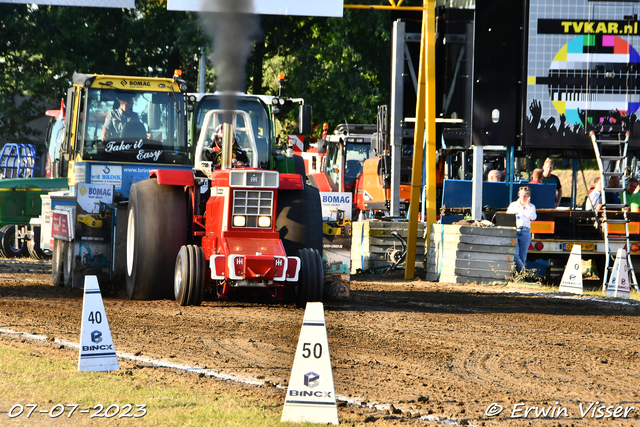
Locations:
column 214, row 151
column 632, row 197
column 494, row 176
column 611, row 197
column 549, row 178
column 116, row 119
column 594, row 201
column 535, row 176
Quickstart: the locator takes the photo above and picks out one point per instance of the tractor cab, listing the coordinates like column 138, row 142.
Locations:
column 254, row 121
column 137, row 121
column 264, row 112
column 344, row 159
column 226, row 140
column 337, row 216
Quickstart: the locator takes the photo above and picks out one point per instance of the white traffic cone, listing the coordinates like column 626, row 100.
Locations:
column 572, row 277
column 619, row 284
column 311, row 395
column 96, row 346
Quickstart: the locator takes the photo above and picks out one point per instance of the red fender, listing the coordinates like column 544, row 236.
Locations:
column 173, row 177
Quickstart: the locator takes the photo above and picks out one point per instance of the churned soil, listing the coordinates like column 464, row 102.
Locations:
column 405, row 352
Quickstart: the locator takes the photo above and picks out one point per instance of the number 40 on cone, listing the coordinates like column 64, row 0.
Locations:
column 96, row 345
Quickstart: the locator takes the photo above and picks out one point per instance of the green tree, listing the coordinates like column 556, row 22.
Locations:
column 341, row 66
column 44, row 45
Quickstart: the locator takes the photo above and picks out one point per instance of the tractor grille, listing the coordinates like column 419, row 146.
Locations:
column 254, row 178
column 253, row 204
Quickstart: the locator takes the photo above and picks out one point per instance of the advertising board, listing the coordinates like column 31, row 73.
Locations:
column 582, row 65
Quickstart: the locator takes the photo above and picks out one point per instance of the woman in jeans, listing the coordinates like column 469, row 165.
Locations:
column 525, row 213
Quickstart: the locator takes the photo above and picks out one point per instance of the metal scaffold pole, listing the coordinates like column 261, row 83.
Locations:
column 424, row 132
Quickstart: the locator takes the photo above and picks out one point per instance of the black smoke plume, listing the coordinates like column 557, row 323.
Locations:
column 233, row 30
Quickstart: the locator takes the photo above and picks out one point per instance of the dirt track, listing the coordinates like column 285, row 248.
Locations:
column 431, row 350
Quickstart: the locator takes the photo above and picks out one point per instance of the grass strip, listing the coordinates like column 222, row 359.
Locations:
column 32, row 376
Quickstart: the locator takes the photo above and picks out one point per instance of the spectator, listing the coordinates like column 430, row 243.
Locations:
column 549, row 178
column 525, row 213
column 494, row 176
column 535, row 176
column 632, row 198
column 611, row 197
column 594, row 201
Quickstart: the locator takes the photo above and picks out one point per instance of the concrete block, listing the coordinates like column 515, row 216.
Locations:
column 490, row 249
column 377, row 228
column 381, row 249
column 470, row 230
column 436, row 264
column 478, row 256
column 460, row 279
column 369, row 264
column 478, row 273
column 372, row 244
column 474, row 239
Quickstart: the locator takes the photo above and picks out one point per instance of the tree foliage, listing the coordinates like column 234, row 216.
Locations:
column 340, row 66
column 42, row 46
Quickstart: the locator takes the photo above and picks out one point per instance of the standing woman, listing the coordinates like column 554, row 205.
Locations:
column 525, row 213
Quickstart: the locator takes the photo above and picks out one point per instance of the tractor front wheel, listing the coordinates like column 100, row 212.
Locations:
column 181, row 277
column 201, row 269
column 156, row 229
column 311, row 277
column 188, row 279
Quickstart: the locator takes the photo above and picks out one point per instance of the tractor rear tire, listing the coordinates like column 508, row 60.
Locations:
column 9, row 244
column 300, row 168
column 156, row 230
column 311, row 278
column 299, row 219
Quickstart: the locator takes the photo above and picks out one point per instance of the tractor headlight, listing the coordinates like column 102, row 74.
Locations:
column 264, row 221
column 239, row 221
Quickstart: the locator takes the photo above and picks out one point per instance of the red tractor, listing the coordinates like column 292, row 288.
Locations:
column 226, row 225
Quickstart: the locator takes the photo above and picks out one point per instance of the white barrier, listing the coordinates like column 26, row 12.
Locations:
column 96, row 345
column 619, row 282
column 311, row 395
column 572, row 277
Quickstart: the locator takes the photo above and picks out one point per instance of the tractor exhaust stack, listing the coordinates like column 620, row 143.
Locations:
column 227, row 145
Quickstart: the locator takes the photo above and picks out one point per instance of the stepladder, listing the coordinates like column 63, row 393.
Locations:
column 611, row 207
